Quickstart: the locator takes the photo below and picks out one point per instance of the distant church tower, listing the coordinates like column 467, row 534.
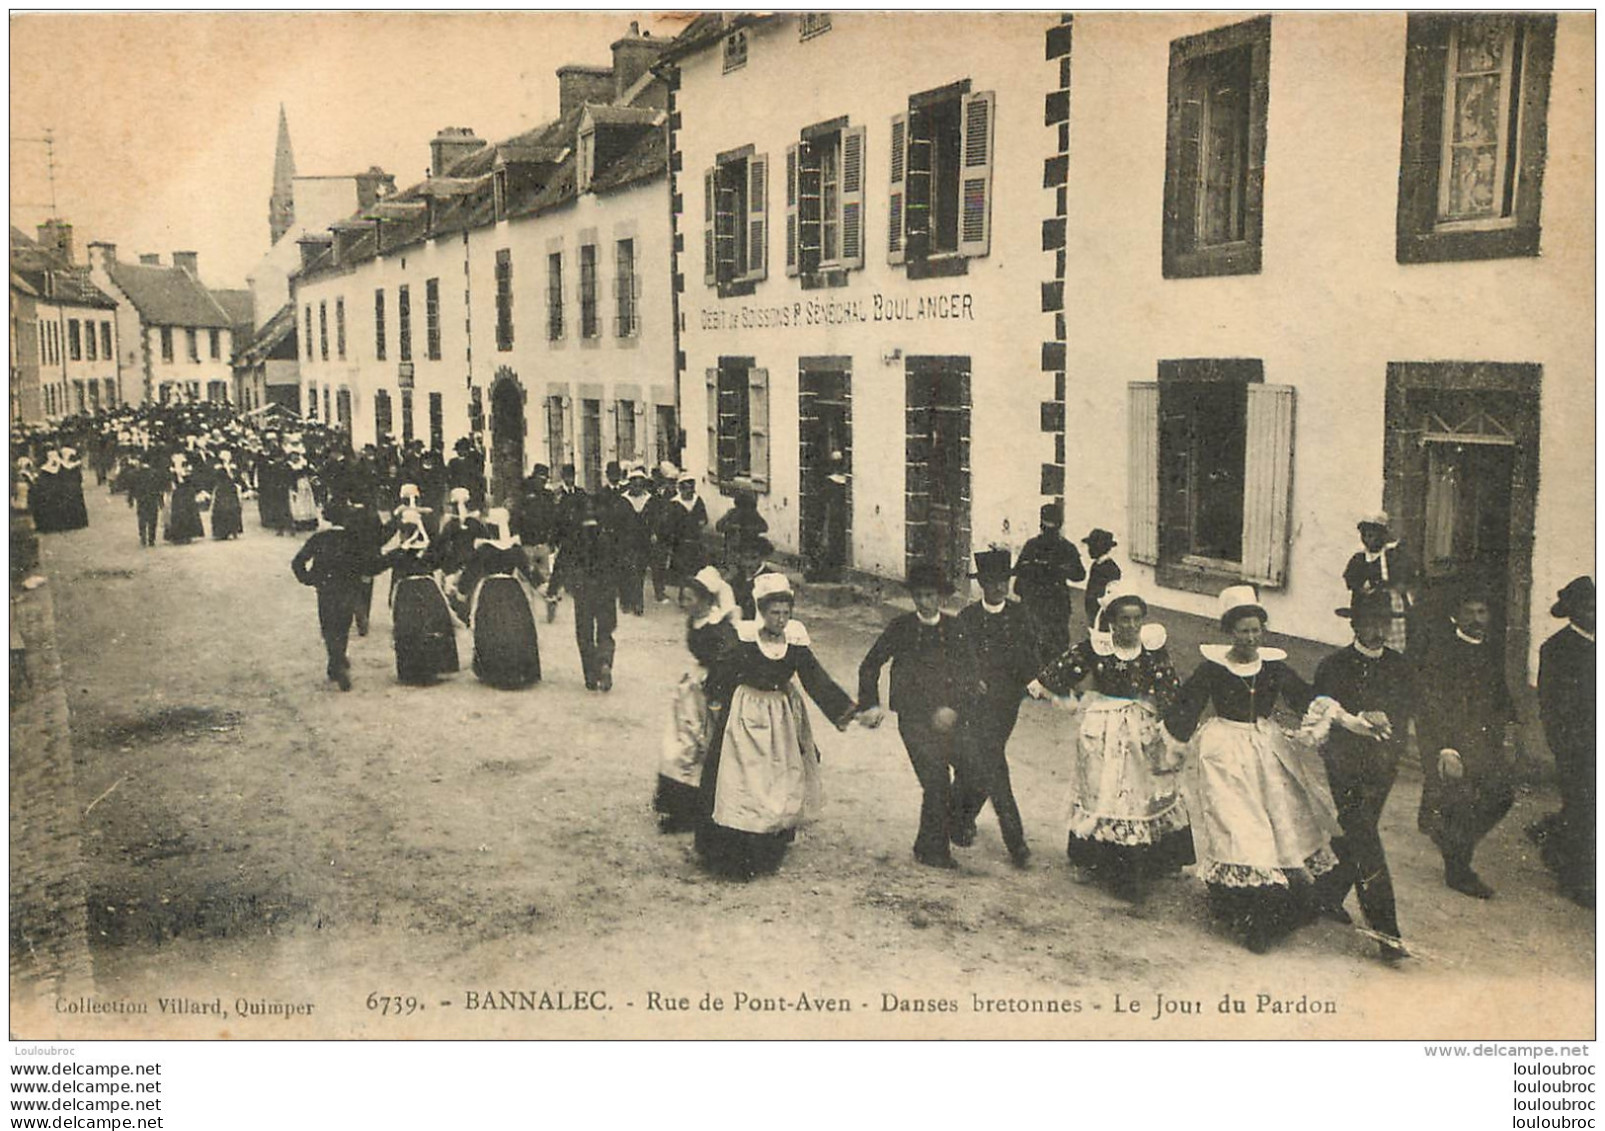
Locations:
column 281, row 205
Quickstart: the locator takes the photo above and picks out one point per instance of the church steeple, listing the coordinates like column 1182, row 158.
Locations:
column 281, row 205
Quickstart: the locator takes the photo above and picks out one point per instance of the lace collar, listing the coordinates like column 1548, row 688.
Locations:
column 1152, row 639
column 1217, row 653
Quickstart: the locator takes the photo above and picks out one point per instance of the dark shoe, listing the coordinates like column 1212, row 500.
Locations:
column 1020, row 859
column 604, row 681
column 1469, row 883
column 963, row 835
column 935, row 860
column 1335, row 915
column 343, row 678
column 1392, row 950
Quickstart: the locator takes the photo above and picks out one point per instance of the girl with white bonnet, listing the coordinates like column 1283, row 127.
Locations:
column 710, row 608
column 497, row 581
column 421, row 629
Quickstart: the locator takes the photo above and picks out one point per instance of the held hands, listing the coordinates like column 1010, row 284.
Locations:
column 1381, row 727
column 870, row 717
column 1036, row 690
column 1450, row 766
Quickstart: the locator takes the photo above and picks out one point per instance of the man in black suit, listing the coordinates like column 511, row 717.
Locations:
column 1566, row 707
column 933, row 686
column 1048, row 564
column 335, row 562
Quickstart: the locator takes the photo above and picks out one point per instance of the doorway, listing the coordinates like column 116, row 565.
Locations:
column 506, row 438
column 937, row 457
column 825, row 461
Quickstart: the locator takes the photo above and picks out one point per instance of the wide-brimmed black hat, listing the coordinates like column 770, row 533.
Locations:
column 1577, row 589
column 1099, row 542
column 1379, row 605
column 926, row 575
column 992, row 565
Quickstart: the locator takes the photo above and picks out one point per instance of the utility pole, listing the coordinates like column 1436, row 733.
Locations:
column 49, row 142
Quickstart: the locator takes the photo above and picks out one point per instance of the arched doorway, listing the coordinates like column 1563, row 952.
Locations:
column 506, row 437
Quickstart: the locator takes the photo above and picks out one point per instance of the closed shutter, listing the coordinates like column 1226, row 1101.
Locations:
column 897, row 195
column 757, row 217
column 852, row 230
column 713, row 426
column 975, row 174
column 758, row 427
column 791, row 210
column 1268, row 483
column 710, row 260
column 1142, row 471
column 643, row 438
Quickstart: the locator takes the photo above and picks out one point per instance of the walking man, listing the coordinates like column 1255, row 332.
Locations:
column 335, row 562
column 1048, row 564
column 587, row 566
column 1566, row 706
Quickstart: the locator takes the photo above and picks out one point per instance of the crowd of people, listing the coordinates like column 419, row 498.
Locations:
column 1280, row 815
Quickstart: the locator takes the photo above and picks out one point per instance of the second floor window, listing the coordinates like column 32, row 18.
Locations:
column 626, row 289
column 825, row 200
column 589, row 326
column 340, row 328
column 735, row 222
column 404, row 321
column 89, row 342
column 504, row 299
column 192, row 344
column 940, row 204
column 167, row 338
column 379, row 325
column 75, row 340
column 554, row 296
column 215, row 350
column 432, row 319
column 323, row 330
column 105, row 340
column 309, row 331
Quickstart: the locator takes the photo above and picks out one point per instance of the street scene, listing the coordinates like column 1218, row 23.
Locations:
column 1006, row 535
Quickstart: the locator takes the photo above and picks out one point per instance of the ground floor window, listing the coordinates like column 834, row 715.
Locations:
column 437, row 421
column 406, row 416
column 624, row 430
column 738, row 423
column 382, row 422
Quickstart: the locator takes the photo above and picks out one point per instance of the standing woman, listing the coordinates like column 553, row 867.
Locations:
column 227, row 518
column 761, row 778
column 184, row 508
column 74, row 515
column 1265, row 818
column 302, row 505
column 506, row 651
column 710, row 610
column 421, row 624
column 1128, row 820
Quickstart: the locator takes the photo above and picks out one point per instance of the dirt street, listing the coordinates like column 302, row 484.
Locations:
column 252, row 837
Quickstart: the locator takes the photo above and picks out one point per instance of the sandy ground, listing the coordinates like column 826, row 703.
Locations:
column 258, row 841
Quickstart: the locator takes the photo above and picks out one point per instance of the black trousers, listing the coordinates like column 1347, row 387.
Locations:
column 1361, row 781
column 337, row 609
column 983, row 774
column 934, row 755
column 1051, row 619
column 148, row 514
column 596, row 615
column 1574, row 769
column 1459, row 813
column 632, row 585
column 364, row 609
column 660, row 569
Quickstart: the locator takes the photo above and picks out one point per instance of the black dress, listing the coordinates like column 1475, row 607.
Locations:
column 184, row 513
column 227, row 520
column 506, row 650
column 421, row 624
column 685, row 739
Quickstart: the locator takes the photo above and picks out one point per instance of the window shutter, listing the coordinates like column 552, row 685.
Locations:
column 791, row 210
column 713, row 425
column 852, row 230
column 1142, row 471
column 1268, row 482
column 897, row 195
column 975, row 174
column 710, row 261
column 758, row 427
column 757, row 217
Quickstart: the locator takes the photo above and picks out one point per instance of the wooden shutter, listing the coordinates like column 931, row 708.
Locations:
column 710, row 259
column 1142, row 471
column 791, row 210
column 896, row 197
column 852, row 198
column 1268, row 483
column 975, row 173
column 758, row 427
column 713, row 425
column 757, row 217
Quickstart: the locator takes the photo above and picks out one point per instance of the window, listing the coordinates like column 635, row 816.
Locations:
column 406, row 416
column 342, row 410
column 382, row 424
column 216, row 345
column 591, row 444
column 940, row 204
column 217, row 391
column 556, row 431
column 105, row 341
column 589, row 326
column 312, row 400
column 167, row 340
column 89, row 341
column 328, row 417
column 437, row 421
column 111, row 390
column 735, row 50
column 432, row 319
column 309, row 331
column 75, row 340
column 626, row 290
column 323, row 330
column 810, row 24
column 504, row 299
column 192, row 344
column 1210, row 455
column 825, row 200
column 624, row 430
column 1215, row 151
column 735, row 222
column 585, row 161
column 340, row 328
column 554, row 296
column 738, row 423
column 379, row 325
column 404, row 320
column 1476, row 107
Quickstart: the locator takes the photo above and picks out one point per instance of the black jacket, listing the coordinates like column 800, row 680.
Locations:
column 932, row 666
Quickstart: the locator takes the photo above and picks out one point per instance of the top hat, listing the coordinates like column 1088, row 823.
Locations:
column 1577, row 589
column 992, row 565
column 926, row 575
column 1378, row 604
column 1235, row 600
column 1099, row 542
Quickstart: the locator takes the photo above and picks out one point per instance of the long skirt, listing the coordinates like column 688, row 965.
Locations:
column 74, row 514
column 1263, row 828
column 227, row 520
column 421, row 628
column 1124, row 814
column 303, row 505
column 184, row 515
column 506, row 651
column 685, row 746
column 759, row 783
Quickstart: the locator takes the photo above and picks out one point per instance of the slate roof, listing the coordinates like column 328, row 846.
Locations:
column 44, row 274
column 168, row 296
column 274, row 331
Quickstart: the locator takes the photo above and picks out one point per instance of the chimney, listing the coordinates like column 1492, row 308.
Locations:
column 633, row 56
column 150, row 259
column 56, row 236
column 577, row 84
column 189, row 261
column 373, row 186
column 107, row 252
column 451, row 145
